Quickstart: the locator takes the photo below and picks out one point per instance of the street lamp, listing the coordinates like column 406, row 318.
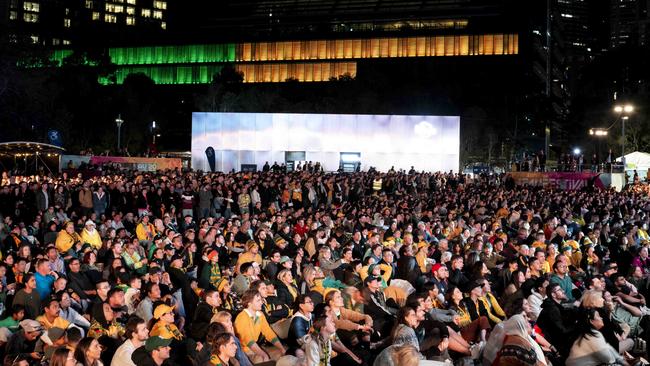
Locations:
column 119, row 121
column 623, row 111
column 153, row 131
column 598, row 132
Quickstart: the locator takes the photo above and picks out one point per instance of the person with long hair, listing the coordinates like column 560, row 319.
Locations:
column 349, row 323
column 286, row 289
column 88, row 352
column 518, row 348
column 590, row 348
column 229, row 300
column 224, row 350
column 403, row 332
column 470, row 330
column 63, row 357
column 612, row 331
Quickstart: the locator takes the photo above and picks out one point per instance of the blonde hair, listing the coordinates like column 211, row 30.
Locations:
column 220, row 317
column 590, row 298
column 308, row 272
column 282, row 273
column 406, row 356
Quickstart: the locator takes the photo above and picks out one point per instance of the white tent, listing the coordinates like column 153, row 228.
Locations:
column 637, row 160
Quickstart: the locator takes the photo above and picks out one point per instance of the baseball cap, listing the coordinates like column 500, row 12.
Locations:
column 30, row 325
column 370, row 279
column 156, row 342
column 285, row 259
column 436, row 267
column 161, row 310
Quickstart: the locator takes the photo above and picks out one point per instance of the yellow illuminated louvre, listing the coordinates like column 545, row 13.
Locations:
column 318, row 71
column 488, row 41
column 440, row 46
column 449, row 46
column 498, row 44
column 464, row 45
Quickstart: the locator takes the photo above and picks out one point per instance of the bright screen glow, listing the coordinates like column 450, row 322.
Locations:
column 428, row 143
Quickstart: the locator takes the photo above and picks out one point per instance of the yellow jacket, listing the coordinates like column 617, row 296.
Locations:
column 495, row 313
column 145, row 232
column 65, row 241
column 93, row 239
column 249, row 257
column 421, row 258
column 249, row 328
column 164, row 330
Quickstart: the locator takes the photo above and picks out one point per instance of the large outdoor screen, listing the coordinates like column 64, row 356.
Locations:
column 229, row 141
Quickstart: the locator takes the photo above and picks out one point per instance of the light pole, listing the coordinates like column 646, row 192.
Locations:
column 623, row 111
column 119, row 121
column 598, row 133
column 153, row 131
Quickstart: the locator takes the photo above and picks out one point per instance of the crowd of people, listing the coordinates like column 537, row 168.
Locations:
column 317, row 269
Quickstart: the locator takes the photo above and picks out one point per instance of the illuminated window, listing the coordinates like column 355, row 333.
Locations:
column 30, row 18
column 96, row 15
column 130, row 20
column 163, row 25
column 146, row 13
column 67, row 11
column 56, row 41
column 110, row 18
column 13, row 15
column 66, row 42
column 114, row 8
column 130, row 10
column 132, row 2
column 159, row 5
column 66, row 22
column 31, row 6
column 89, row 4
column 157, row 14
column 34, row 39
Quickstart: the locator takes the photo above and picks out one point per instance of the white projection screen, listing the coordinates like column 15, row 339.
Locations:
column 429, row 143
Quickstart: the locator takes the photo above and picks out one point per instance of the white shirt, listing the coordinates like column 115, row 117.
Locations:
column 122, row 356
column 535, row 301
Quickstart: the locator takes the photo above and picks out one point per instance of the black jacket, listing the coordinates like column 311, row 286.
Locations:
column 558, row 325
column 141, row 357
column 201, row 321
column 408, row 269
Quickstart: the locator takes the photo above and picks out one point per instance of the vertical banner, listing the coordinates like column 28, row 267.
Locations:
column 209, row 154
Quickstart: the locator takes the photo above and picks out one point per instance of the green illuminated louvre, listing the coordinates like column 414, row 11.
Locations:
column 173, row 54
column 59, row 55
column 193, row 74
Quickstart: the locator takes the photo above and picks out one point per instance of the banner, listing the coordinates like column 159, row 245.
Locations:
column 141, row 164
column 561, row 180
column 209, row 153
column 54, row 136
